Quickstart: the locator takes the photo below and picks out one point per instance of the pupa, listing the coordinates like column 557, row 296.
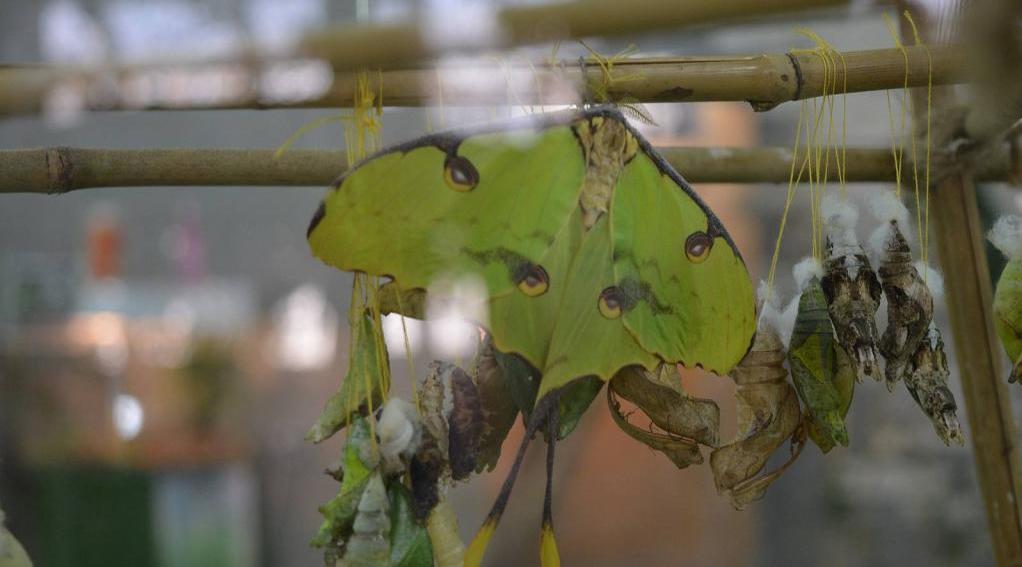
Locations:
column 927, row 380
column 909, row 305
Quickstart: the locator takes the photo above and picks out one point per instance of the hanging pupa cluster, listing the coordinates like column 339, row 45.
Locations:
column 851, row 288
column 1006, row 236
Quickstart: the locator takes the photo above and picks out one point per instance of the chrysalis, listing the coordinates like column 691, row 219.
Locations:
column 685, row 421
column 927, row 381
column 822, row 374
column 448, row 549
column 369, row 543
column 853, row 297
column 1007, row 237
column 909, row 305
column 768, row 415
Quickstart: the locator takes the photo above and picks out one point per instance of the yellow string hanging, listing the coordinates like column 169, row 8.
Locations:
column 361, row 138
column 817, row 148
column 897, row 136
column 925, row 232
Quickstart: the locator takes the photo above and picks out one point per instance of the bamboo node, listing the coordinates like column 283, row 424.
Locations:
column 60, row 170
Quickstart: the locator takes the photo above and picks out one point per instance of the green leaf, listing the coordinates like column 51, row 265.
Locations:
column 365, row 386
column 358, row 464
column 409, row 541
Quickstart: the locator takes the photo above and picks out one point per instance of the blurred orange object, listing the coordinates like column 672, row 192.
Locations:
column 104, row 244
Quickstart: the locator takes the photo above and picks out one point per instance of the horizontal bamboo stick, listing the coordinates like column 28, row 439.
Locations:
column 62, row 169
column 765, row 80
column 388, row 46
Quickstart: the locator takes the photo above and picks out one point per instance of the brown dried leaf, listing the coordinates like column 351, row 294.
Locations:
column 768, row 411
column 681, row 451
column 659, row 395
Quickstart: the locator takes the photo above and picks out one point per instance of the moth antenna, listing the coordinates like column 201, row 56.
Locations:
column 540, row 416
column 548, row 556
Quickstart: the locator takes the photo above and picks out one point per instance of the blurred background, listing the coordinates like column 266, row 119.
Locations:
column 164, row 350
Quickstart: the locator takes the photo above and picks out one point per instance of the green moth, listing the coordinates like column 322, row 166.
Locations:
column 594, row 252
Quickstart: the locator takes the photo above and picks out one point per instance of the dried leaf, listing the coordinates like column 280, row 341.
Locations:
column 668, row 406
column 681, row 451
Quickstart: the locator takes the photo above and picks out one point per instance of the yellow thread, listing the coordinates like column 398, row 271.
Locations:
column 361, row 137
column 925, row 240
column 820, row 146
column 789, row 198
column 408, row 352
column 899, row 146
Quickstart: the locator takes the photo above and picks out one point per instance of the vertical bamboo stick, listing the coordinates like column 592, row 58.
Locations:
column 958, row 231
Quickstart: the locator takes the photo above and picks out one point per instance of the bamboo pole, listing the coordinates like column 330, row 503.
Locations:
column 764, row 80
column 958, row 231
column 387, row 46
column 62, row 169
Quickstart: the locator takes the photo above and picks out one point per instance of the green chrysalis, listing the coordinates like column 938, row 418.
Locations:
column 822, row 372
